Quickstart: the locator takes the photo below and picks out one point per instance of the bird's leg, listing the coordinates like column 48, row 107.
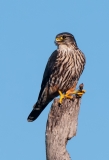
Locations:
column 79, row 92
column 62, row 96
column 68, row 93
column 71, row 92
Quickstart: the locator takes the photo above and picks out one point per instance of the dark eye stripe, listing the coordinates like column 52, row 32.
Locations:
column 64, row 37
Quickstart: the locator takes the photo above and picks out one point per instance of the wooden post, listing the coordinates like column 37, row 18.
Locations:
column 61, row 127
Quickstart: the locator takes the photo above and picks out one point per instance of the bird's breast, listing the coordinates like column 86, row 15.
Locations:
column 66, row 70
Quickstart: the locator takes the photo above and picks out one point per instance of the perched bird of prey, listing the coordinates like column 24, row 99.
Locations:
column 61, row 74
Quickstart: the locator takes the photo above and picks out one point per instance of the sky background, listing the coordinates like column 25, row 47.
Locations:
column 24, row 26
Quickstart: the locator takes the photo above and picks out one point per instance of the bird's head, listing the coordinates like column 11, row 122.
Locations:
column 65, row 38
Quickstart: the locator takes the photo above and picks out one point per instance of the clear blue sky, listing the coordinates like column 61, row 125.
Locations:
column 24, row 26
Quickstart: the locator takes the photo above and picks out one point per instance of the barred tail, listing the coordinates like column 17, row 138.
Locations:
column 37, row 109
column 43, row 100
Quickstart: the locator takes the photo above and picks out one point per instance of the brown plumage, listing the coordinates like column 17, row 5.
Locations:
column 62, row 72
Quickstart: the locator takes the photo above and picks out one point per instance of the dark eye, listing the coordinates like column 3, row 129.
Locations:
column 64, row 37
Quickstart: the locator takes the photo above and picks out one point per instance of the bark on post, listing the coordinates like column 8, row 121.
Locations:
column 61, row 126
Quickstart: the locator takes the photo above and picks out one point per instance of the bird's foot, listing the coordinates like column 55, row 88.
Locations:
column 62, row 96
column 69, row 95
column 78, row 92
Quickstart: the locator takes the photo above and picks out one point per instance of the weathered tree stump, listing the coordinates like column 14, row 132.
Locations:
column 61, row 126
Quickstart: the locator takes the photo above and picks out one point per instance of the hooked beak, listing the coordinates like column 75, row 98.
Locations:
column 59, row 39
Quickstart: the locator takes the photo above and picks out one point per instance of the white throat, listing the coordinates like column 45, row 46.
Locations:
column 64, row 48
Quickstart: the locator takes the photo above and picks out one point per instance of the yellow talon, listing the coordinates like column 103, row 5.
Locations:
column 79, row 92
column 62, row 96
column 76, row 92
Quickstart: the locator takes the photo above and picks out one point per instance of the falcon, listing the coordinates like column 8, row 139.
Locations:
column 61, row 74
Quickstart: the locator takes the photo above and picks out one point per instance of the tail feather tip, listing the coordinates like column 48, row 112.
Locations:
column 30, row 119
